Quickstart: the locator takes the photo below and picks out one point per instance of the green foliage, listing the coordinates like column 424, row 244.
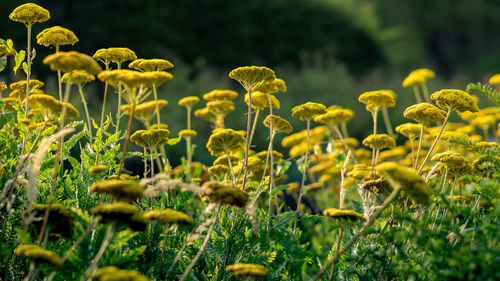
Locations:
column 486, row 90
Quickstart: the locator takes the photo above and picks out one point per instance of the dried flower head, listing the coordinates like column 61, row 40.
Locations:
column 225, row 193
column 452, row 99
column 56, row 36
column 187, row 133
column 112, row 273
column 121, row 212
column 38, row 254
column 122, row 190
column 220, row 95
column 150, row 64
column 424, row 113
column 335, row 116
column 189, row 101
column 225, row 140
column 246, row 270
column 29, row 13
column 308, row 111
column 97, row 169
column 379, row 141
column 278, row 124
column 78, row 77
column 150, row 138
column 60, row 220
column 494, row 80
column 339, row 214
column 69, row 61
column 409, row 130
column 169, row 216
column 116, row 55
column 252, row 76
column 260, row 100
column 272, row 87
column 376, row 99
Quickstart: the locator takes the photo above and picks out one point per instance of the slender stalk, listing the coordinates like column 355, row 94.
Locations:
column 343, row 126
column 426, row 92
column 127, row 139
column 104, row 100
column 271, row 181
column 419, row 146
column 387, row 122
column 59, row 84
column 118, row 114
column 230, row 167
column 188, row 145
column 254, row 125
column 110, row 232
column 80, row 90
column 435, row 141
column 28, row 72
column 336, row 128
column 417, row 95
column 247, row 145
column 308, row 125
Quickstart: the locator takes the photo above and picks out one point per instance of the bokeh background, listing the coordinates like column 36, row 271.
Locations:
column 327, row 51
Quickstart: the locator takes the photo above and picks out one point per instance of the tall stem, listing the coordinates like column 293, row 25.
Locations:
column 230, row 167
column 417, row 95
column 157, row 106
column 435, row 141
column 118, row 113
column 308, row 124
column 271, row 180
column 387, row 122
column 59, row 84
column 86, row 111
column 247, row 146
column 188, row 145
column 426, row 92
column 419, row 146
column 254, row 125
column 104, row 100
column 28, row 72
column 336, row 128
column 104, row 245
column 127, row 139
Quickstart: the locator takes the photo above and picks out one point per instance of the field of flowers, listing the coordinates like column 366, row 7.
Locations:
column 412, row 201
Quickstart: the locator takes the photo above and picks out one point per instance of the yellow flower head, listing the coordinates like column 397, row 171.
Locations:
column 225, row 140
column 169, row 216
column 424, row 72
column 122, row 212
column 272, row 87
column 335, row 116
column 122, row 190
column 260, row 100
column 220, row 95
column 263, row 155
column 150, row 138
column 252, row 76
column 49, row 102
column 393, row 154
column 109, row 273
column 450, row 159
column 293, row 187
column 484, row 122
column 225, row 194
column 206, row 114
column 150, row 64
column 69, row 61
column 220, row 106
column 338, row 214
column 37, row 254
column 293, row 139
column 116, row 55
column 29, row 13
column 189, row 101
column 187, row 133
column 381, row 186
column 246, row 270
column 222, row 160
column 494, row 80
column 161, row 126
column 424, row 113
column 322, row 167
column 360, row 172
column 3, row 86
column 97, row 169
column 409, row 130
column 375, row 99
column 308, row 111
column 218, row 169
column 352, row 143
column 413, row 80
column 78, row 77
column 447, row 135
column 278, row 124
column 56, row 36
column 21, row 85
column 145, row 109
column 60, row 221
column 452, row 99
column 379, row 141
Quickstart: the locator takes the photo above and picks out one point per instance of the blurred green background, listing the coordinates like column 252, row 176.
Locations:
column 327, row 51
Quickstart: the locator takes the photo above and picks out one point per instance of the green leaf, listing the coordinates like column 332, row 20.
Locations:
column 19, row 58
column 487, row 90
column 277, row 189
column 68, row 145
column 3, row 63
column 25, row 67
column 174, row 141
column 5, row 118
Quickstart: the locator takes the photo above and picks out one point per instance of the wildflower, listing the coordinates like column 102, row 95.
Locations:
column 21, row 85
column 122, row 190
column 218, row 169
column 225, row 140
column 206, row 114
column 60, row 219
column 335, row 116
column 447, row 135
column 293, row 140
column 69, row 61
column 222, row 160
column 425, row 73
column 189, row 101
column 260, row 100
column 225, row 194
column 322, row 167
column 263, row 155
column 360, row 172
column 352, row 143
column 220, row 106
column 145, row 110
column 150, row 64
column 56, row 36
column 220, row 95
column 252, row 76
column 187, row 133
column 121, row 212
column 308, row 111
column 494, row 80
column 111, row 273
column 338, row 214
column 247, row 270
column 278, row 124
column 413, row 80
column 293, row 187
column 409, row 130
column 452, row 99
column 150, row 138
column 49, row 102
column 395, row 153
column 169, row 216
column 272, row 87
column 37, row 254
column 313, row 188
column 97, row 169
column 116, row 55
column 78, row 77
column 380, row 185
column 379, row 141
column 424, row 113
column 376, row 99
column 29, row 13
column 161, row 126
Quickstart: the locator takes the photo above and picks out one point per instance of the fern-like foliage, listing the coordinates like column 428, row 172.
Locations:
column 484, row 89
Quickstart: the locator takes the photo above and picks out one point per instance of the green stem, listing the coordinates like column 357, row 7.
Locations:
column 435, row 141
column 419, row 146
column 387, row 122
column 104, row 245
column 247, row 145
column 254, row 125
column 417, row 95
column 104, row 100
column 426, row 92
column 80, row 90
column 127, row 139
column 308, row 125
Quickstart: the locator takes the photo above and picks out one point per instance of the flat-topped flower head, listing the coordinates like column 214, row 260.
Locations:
column 119, row 189
column 150, row 64
column 60, row 220
column 218, row 170
column 339, row 214
column 452, row 99
column 220, row 95
column 409, row 130
column 424, row 113
column 130, row 78
column 150, row 138
column 313, row 188
column 263, row 155
column 226, row 194
column 116, row 55
column 55, row 106
column 252, row 76
column 187, row 134
column 222, row 160
column 360, row 172
column 206, row 114
column 221, row 106
column 69, row 61
column 97, row 169
column 278, row 124
column 308, row 111
column 379, row 141
column 293, row 139
column 113, row 273
column 122, row 212
column 247, row 270
column 272, row 87
column 494, row 80
column 423, row 72
column 225, row 140
column 145, row 109
column 29, row 13
column 260, row 100
column 393, row 154
column 77, row 77
column 189, row 101
column 450, row 159
column 37, row 254
column 56, row 36
column 21, row 85
column 413, row 80
column 335, row 116
column 379, row 186
column 169, row 216
column 376, row 99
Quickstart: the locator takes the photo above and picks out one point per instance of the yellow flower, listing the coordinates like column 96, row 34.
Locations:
column 278, row 124
column 395, row 153
column 339, row 214
column 447, row 135
column 308, row 111
column 222, row 160
column 49, row 102
column 293, row 139
column 56, row 36
column 272, row 87
column 169, row 216
column 220, row 95
column 245, row 270
column 252, row 76
column 150, row 138
column 293, row 187
column 69, row 61
column 360, row 172
column 21, row 85
column 225, row 140
column 352, row 143
column 78, row 77
column 260, row 100
column 189, row 101
column 322, row 167
column 424, row 113
column 121, row 212
column 161, row 126
column 29, row 13
column 451, row 159
column 218, row 169
column 110, row 273
column 116, row 55
column 187, row 133
column 145, row 108
column 122, row 190
column 413, row 80
column 150, row 64
column 494, row 80
column 375, row 99
column 334, row 116
column 206, row 114
column 37, row 254
column 409, row 130
column 423, row 72
column 379, row 141
column 60, row 220
column 379, row 185
column 97, row 169
column 220, row 106
column 263, row 154
column 452, row 99
column 225, row 194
